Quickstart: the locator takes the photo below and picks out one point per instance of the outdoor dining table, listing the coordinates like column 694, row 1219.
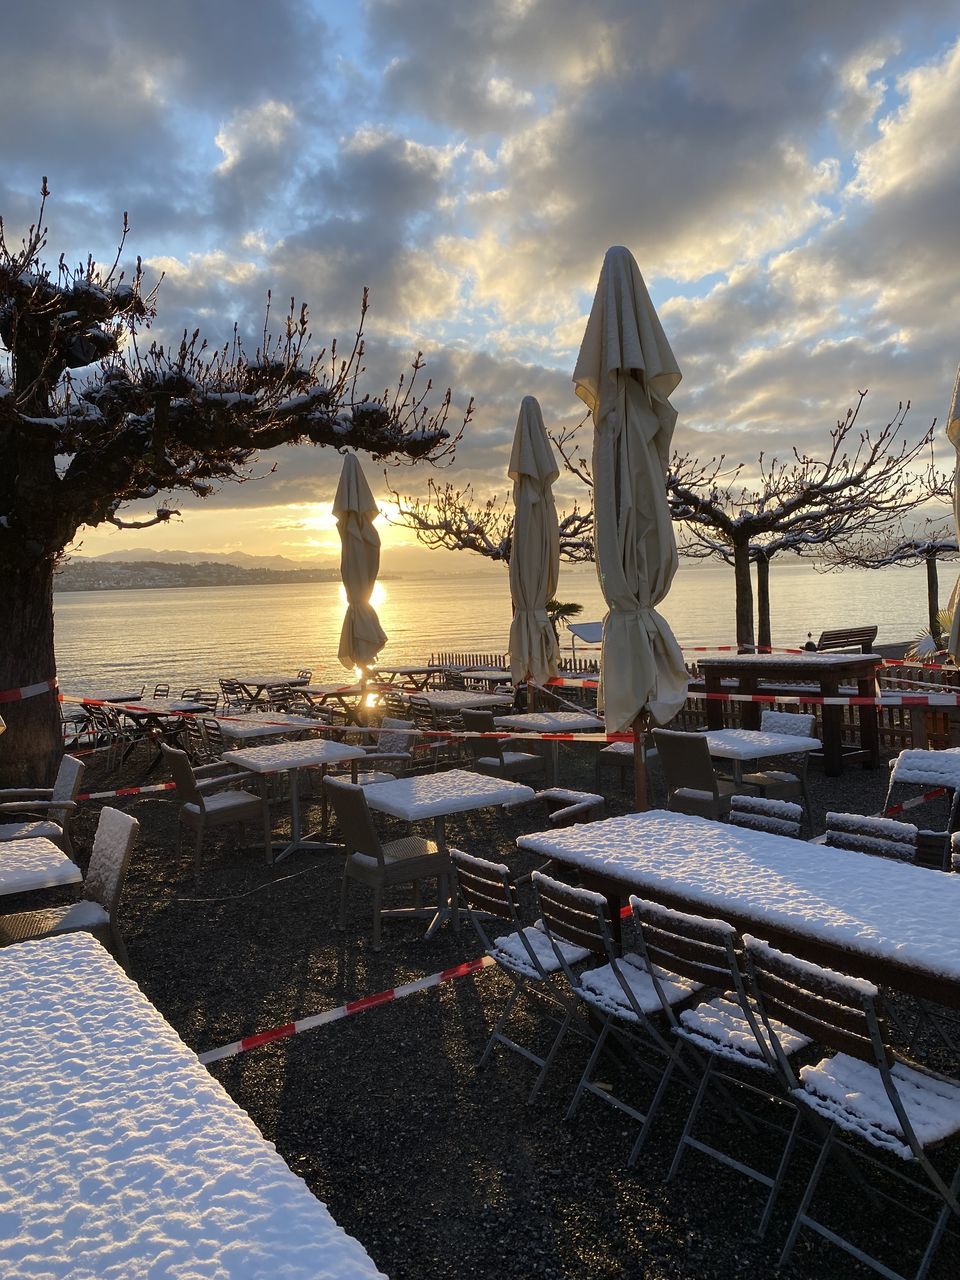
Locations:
column 433, row 796
column 157, row 713
column 253, row 686
column 563, row 722
column 471, row 699
column 34, row 863
column 291, row 757
column 738, row 745
column 890, row 922
column 348, row 697
column 414, row 677
column 826, row 670
column 120, row 1155
column 271, row 724
column 487, row 676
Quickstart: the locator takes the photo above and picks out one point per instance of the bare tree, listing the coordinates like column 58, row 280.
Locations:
column 933, row 542
column 137, row 423
column 452, row 519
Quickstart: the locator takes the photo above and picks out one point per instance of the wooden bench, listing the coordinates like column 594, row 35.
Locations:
column 861, row 638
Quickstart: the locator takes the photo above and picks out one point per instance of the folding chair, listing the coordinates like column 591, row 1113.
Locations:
column 526, row 956
column 896, row 1109
column 620, row 994
column 775, row 817
column 726, row 1029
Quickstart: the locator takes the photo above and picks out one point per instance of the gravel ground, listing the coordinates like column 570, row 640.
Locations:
column 441, row 1170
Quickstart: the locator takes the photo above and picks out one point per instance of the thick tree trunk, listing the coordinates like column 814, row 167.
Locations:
column 31, row 746
column 744, row 590
column 763, row 602
column 933, row 597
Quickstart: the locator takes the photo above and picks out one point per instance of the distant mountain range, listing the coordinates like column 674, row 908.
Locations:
column 240, row 558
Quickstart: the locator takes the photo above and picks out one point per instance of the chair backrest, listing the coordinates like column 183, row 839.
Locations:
column 454, row 680
column 881, row 837
column 704, row 950
column 776, row 817
column 208, row 697
column 573, row 915
column 214, row 736
column 193, row 693
column 161, row 691
column 353, row 817
column 388, row 742
column 848, row 638
column 110, row 858
column 232, row 693
column 191, row 731
column 67, row 782
column 422, row 712
column 685, row 759
column 481, row 722
column 835, row 1010
column 394, row 703
column 178, row 763
column 486, row 887
column 792, row 723
column 955, row 851
column 304, row 675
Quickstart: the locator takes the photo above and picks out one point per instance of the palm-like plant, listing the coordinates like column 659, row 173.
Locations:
column 558, row 613
column 929, row 644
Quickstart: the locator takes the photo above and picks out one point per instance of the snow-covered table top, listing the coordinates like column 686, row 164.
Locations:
column 262, row 681
column 486, row 673
column 802, row 661
column 162, row 706
column 551, row 722
column 35, row 863
column 874, row 908
column 457, row 699
column 110, row 695
column 121, row 1158
column 333, row 690
column 433, row 795
column 272, row 725
column 278, row 756
column 754, row 744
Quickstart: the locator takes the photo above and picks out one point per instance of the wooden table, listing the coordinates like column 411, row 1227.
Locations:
column 348, row 697
column 272, row 724
column 34, row 863
column 120, row 1155
column 890, row 922
column 828, row 670
column 291, row 757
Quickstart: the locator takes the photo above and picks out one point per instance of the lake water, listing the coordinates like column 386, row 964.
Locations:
column 193, row 635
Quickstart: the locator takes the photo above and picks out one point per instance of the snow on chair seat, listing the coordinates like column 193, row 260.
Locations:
column 603, row 989
column 30, row 831
column 511, row 951
column 719, row 1026
column 851, row 1094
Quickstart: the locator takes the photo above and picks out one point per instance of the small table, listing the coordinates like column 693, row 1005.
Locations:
column 34, row 863
column 457, row 699
column 415, row 677
column 258, row 683
column 291, row 757
column 434, row 796
column 826, row 669
column 275, row 724
column 560, row 722
column 121, row 1155
column 873, row 918
column 489, row 676
column 348, row 698
column 738, row 745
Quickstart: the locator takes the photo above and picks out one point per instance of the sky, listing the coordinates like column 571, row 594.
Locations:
column 786, row 176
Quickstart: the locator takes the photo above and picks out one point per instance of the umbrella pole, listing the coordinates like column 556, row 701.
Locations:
column 640, row 763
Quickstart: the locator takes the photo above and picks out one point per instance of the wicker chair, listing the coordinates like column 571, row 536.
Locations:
column 492, row 756
column 43, row 811
column 692, row 783
column 380, row 866
column 96, row 912
column 209, row 797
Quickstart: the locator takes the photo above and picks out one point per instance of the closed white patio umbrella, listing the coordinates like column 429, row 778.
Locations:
column 361, row 637
column 625, row 374
column 953, row 435
column 535, row 553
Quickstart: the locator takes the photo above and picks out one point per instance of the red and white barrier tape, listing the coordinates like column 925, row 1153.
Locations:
column 127, row 791
column 345, row 1010
column 915, row 803
column 28, row 690
column 854, row 700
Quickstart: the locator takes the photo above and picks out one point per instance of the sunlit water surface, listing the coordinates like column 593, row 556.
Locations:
column 193, row 635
